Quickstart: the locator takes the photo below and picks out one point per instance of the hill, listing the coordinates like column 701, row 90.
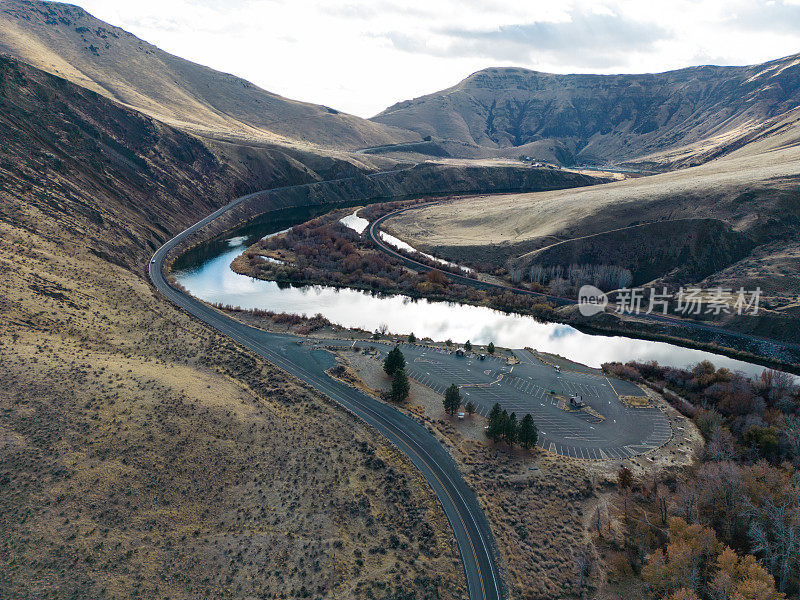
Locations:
column 676, row 118
column 131, row 435
column 732, row 222
column 67, row 41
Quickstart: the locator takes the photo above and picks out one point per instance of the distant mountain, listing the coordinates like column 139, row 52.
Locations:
column 67, row 41
column 677, row 118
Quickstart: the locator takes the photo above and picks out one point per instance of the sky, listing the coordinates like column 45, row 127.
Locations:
column 361, row 56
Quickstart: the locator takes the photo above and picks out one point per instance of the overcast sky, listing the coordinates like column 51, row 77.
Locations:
column 364, row 55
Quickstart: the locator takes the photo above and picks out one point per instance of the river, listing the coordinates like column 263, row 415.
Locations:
column 205, row 272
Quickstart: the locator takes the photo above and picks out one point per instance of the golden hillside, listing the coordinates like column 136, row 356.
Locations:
column 67, row 41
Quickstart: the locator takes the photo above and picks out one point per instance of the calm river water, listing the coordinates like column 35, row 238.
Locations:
column 206, row 273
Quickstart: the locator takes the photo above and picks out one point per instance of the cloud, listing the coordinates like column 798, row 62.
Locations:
column 770, row 16
column 363, row 55
column 593, row 39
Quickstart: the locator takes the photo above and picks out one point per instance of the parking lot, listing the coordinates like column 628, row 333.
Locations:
column 532, row 386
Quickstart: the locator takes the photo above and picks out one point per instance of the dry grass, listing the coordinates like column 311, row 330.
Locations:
column 145, row 456
column 539, row 505
column 67, row 41
column 141, row 454
column 546, row 217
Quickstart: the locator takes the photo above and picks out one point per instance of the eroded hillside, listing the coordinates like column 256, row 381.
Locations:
column 65, row 40
column 677, row 118
column 141, row 454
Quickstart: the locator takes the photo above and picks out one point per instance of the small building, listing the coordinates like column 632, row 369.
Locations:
column 577, row 401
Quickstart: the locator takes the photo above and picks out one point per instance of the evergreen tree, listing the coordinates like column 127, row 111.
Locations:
column 448, row 342
column 510, row 428
column 528, row 432
column 452, row 400
column 468, row 346
column 401, row 360
column 490, row 348
column 389, row 362
column 400, row 386
column 394, row 361
column 412, row 339
column 470, row 408
column 495, row 429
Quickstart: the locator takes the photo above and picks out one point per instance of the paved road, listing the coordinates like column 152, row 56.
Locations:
column 470, row 527
column 373, row 232
column 611, row 430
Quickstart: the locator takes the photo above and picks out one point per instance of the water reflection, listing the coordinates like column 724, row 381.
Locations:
column 401, row 245
column 213, row 281
column 354, row 222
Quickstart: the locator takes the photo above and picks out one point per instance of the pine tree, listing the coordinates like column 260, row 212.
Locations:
column 412, row 339
column 510, row 428
column 490, row 348
column 394, row 361
column 389, row 363
column 452, row 400
column 470, row 408
column 400, row 386
column 468, row 346
column 495, row 429
column 400, row 360
column 528, row 432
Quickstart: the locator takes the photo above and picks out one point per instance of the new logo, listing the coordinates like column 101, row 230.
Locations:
column 591, row 300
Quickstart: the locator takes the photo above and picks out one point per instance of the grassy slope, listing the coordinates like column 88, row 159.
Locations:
column 751, row 240
column 682, row 117
column 64, row 39
column 753, row 193
column 142, row 455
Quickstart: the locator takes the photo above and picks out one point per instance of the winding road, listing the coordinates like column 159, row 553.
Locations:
column 373, row 232
column 531, row 387
column 469, row 523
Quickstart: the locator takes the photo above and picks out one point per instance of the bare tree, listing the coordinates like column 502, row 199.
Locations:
column 514, row 270
column 688, row 500
column 775, row 535
column 792, row 436
column 723, row 494
column 584, row 562
column 662, row 502
column 720, row 445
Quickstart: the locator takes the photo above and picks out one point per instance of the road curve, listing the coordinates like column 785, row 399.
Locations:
column 470, row 526
column 373, row 231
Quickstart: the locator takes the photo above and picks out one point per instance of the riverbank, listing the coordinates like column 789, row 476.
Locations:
column 538, row 503
column 323, row 252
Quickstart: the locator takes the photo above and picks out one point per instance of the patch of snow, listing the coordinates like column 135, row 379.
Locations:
column 269, row 235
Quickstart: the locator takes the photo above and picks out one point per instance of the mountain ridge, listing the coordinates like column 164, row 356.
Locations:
column 67, row 41
column 658, row 118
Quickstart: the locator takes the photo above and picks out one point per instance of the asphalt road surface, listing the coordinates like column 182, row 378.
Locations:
column 470, row 527
column 610, row 430
column 373, row 232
